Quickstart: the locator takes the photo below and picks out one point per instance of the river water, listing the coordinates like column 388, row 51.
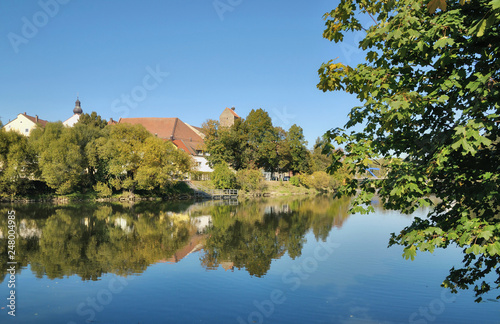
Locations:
column 288, row 260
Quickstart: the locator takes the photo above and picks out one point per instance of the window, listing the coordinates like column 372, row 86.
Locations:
column 27, row 130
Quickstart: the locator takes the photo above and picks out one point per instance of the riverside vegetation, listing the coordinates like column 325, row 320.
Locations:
column 96, row 160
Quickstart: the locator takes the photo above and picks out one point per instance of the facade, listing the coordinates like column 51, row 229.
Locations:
column 228, row 117
column 184, row 136
column 77, row 111
column 24, row 124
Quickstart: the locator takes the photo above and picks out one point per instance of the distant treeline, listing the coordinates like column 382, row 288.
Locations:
column 89, row 157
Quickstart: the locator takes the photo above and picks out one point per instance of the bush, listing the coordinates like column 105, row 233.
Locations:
column 250, row 180
column 103, row 190
column 295, row 180
column 319, row 180
column 223, row 177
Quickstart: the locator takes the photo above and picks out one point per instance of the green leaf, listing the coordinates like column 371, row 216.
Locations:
column 494, row 249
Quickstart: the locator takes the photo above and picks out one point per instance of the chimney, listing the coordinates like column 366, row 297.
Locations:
column 36, row 119
column 25, row 113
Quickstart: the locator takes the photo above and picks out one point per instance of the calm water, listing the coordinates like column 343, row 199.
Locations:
column 271, row 261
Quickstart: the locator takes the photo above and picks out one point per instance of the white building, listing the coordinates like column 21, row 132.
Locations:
column 24, row 124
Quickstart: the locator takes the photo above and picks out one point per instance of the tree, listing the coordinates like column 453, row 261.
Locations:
column 319, row 161
column 260, row 147
column 121, row 154
column 93, row 119
column 298, row 149
column 223, row 177
column 60, row 158
column 160, row 164
column 430, row 95
column 17, row 163
column 224, row 143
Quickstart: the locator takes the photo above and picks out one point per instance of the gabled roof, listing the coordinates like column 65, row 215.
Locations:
column 40, row 122
column 181, row 134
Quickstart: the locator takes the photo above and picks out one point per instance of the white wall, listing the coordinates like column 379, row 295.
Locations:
column 20, row 125
column 202, row 164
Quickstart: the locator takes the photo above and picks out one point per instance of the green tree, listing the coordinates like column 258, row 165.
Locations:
column 60, row 158
column 132, row 158
column 260, row 147
column 223, row 177
column 319, row 161
column 161, row 163
column 121, row 154
column 18, row 163
column 224, row 143
column 430, row 94
column 250, row 180
column 87, row 130
column 298, row 149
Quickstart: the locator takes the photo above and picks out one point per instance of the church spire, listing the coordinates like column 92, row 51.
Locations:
column 78, row 109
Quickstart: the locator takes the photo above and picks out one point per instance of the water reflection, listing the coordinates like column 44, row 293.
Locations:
column 92, row 240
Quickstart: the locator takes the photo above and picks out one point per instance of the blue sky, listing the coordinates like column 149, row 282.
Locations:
column 188, row 59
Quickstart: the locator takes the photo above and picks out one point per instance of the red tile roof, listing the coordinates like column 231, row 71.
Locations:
column 172, row 129
column 41, row 122
column 232, row 112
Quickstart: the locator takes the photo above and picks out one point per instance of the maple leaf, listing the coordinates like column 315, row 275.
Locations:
column 434, row 4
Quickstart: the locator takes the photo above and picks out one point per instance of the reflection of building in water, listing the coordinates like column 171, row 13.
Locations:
column 195, row 244
column 275, row 209
column 227, row 265
column 27, row 232
column 202, row 223
column 122, row 223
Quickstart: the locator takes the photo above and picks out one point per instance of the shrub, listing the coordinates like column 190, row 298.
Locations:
column 320, row 180
column 103, row 190
column 250, row 180
column 223, row 177
column 295, row 180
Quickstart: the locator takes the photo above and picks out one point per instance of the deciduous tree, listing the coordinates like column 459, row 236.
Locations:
column 430, row 94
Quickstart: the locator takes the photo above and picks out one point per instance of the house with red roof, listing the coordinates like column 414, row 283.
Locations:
column 184, row 136
column 24, row 124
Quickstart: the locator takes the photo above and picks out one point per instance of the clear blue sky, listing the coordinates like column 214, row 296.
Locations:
column 185, row 59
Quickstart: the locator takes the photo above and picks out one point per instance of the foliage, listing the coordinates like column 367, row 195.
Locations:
column 256, row 143
column 319, row 160
column 223, row 177
column 297, row 146
column 250, row 180
column 93, row 120
column 88, row 156
column 103, row 190
column 319, row 180
column 430, row 95
column 17, row 163
column 295, row 180
column 133, row 158
column 60, row 157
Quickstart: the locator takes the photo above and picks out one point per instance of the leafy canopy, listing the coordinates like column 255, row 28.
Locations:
column 429, row 89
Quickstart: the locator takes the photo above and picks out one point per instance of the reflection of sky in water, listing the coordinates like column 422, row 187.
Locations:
column 361, row 281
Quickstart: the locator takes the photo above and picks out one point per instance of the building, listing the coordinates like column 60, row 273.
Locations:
column 24, row 124
column 228, row 117
column 184, row 136
column 77, row 112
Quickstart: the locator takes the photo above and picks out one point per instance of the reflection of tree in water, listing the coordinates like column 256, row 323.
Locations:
column 252, row 234
column 91, row 240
